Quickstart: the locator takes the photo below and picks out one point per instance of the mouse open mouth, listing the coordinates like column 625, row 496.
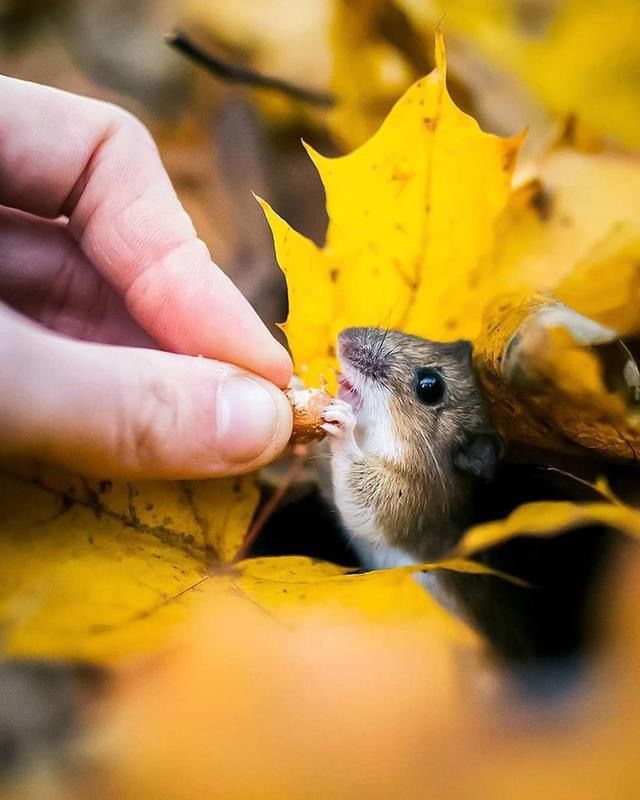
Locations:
column 348, row 392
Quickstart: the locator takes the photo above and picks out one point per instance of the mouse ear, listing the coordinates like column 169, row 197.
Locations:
column 462, row 349
column 480, row 454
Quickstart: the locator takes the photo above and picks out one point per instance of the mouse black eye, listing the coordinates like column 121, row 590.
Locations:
column 430, row 386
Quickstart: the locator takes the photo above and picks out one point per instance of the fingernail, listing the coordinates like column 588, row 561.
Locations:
column 247, row 419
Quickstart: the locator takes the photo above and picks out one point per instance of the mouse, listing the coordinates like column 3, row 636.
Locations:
column 414, row 461
column 410, row 442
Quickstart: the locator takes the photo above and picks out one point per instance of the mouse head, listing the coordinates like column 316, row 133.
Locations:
column 418, row 404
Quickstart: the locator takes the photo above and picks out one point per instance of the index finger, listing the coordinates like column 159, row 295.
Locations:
column 97, row 165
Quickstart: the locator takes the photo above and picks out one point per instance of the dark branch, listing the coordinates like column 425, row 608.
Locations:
column 233, row 73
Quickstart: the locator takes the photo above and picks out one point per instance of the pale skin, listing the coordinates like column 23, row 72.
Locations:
column 107, row 298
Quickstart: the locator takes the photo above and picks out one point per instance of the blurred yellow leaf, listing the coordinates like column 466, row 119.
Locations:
column 573, row 216
column 381, row 47
column 573, row 232
column 549, row 519
column 313, row 710
column 352, row 711
column 577, row 56
column 605, row 285
column 369, row 73
column 278, row 41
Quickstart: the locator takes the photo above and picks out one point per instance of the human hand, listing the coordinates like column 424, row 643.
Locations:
column 95, row 246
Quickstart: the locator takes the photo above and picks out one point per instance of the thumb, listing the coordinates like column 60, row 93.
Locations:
column 127, row 412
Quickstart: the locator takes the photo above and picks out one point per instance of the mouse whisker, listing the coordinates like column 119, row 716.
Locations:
column 382, row 338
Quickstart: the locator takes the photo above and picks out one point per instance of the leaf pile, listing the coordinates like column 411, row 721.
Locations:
column 291, row 677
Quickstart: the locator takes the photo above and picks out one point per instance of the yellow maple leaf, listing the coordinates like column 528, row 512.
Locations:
column 293, row 590
column 108, row 571
column 102, row 570
column 411, row 213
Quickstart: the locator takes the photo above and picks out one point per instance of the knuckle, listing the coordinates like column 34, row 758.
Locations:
column 147, row 435
column 150, row 299
column 128, row 124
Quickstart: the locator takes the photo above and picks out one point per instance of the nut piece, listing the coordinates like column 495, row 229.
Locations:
column 308, row 405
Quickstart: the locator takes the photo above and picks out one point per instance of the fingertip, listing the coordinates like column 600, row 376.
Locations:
column 283, row 429
column 280, row 369
column 253, row 422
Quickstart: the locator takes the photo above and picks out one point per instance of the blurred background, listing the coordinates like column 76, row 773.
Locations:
column 219, row 141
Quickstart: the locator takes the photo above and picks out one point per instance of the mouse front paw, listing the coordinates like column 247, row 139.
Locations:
column 340, row 423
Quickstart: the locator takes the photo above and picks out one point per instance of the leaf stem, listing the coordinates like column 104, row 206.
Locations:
column 300, row 453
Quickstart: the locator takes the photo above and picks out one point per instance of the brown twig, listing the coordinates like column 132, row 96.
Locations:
column 234, row 73
column 300, row 453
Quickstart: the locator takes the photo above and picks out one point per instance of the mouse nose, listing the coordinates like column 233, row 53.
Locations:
column 350, row 342
column 363, row 349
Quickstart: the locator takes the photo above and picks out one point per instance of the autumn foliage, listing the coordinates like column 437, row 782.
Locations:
column 284, row 676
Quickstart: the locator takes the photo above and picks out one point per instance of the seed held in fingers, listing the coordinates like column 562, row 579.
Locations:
column 308, row 405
